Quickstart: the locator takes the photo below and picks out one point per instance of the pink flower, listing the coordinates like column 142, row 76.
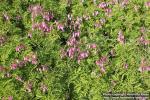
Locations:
column 95, row 13
column 97, row 25
column 6, row 17
column 147, row 4
column 143, row 41
column 72, row 41
column 10, row 98
column 18, row 17
column 44, row 27
column 144, row 66
column 35, row 10
column 82, row 55
column 29, row 86
column 19, row 78
column 20, row 47
column 108, row 10
column 103, row 21
column 125, row 65
column 76, row 34
column 103, row 5
column 125, row 2
column 35, row 26
column 142, row 98
column 142, row 29
column 112, row 52
column 14, row 66
column 101, row 61
column 2, row 40
column 21, row 63
column 103, row 70
column 34, row 62
column 30, row 35
column 86, row 17
column 60, row 27
column 92, row 46
column 7, row 75
column 44, row 68
column 121, row 38
column 44, row 88
column 47, row 16
column 27, row 59
column 71, row 51
column 113, row 2
column 34, row 59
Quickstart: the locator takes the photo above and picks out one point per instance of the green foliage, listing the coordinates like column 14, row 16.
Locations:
column 65, row 78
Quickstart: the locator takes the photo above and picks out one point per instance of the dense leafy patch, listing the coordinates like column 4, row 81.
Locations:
column 73, row 49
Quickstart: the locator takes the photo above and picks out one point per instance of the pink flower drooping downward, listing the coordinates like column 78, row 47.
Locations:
column 60, row 27
column 147, row 4
column 144, row 66
column 143, row 41
column 101, row 63
column 35, row 10
column 29, row 86
column 44, row 27
column 121, row 38
column 32, row 58
column 92, row 46
column 10, row 98
column 82, row 55
column 103, row 5
column 47, row 16
column 2, row 40
column 44, row 88
column 72, row 41
column 71, row 52
column 76, row 34
column 6, row 17
column 20, row 48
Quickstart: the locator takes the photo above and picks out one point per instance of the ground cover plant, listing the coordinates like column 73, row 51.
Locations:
column 73, row 49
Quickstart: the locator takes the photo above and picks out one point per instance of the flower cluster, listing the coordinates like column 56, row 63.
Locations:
column 28, row 86
column 143, row 41
column 82, row 55
column 105, row 8
column 147, row 4
column 42, row 68
column 92, row 46
column 19, row 78
column 32, row 58
column 60, row 27
column 101, row 63
column 43, row 88
column 17, row 64
column 121, row 38
column 20, row 47
column 2, row 40
column 6, row 17
column 144, row 66
column 47, row 16
column 27, row 59
column 37, row 10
